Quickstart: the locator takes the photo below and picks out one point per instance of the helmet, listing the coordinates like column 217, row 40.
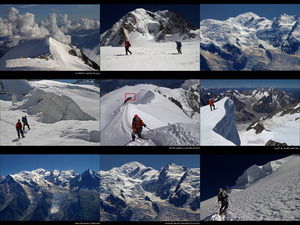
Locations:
column 136, row 116
column 226, row 187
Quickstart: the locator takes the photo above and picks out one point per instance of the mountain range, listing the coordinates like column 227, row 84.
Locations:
column 250, row 42
column 143, row 25
column 251, row 103
column 42, row 195
column 134, row 192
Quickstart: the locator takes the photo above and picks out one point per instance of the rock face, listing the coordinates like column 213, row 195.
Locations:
column 131, row 193
column 274, row 143
column 250, row 42
column 144, row 24
column 41, row 195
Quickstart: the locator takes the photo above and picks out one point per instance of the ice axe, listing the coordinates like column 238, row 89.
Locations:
column 149, row 128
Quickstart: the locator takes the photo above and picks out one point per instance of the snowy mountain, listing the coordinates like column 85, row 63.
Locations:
column 218, row 127
column 41, row 195
column 171, row 114
column 266, row 192
column 282, row 126
column 134, row 192
column 142, row 25
column 46, row 54
column 67, row 113
column 251, row 103
column 152, row 36
column 250, row 42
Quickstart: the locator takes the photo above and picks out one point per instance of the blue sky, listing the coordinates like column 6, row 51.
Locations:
column 111, row 14
column 42, row 11
column 220, row 170
column 224, row 11
column 154, row 161
column 11, row 164
column 254, row 83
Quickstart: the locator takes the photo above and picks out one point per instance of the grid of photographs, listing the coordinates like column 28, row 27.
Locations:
column 149, row 113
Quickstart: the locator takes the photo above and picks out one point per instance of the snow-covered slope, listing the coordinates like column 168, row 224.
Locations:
column 282, row 126
column 134, row 192
column 218, row 126
column 58, row 113
column 250, row 42
column 267, row 192
column 152, row 36
column 45, row 54
column 168, row 122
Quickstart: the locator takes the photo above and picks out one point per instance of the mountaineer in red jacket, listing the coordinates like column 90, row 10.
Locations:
column 19, row 128
column 137, row 126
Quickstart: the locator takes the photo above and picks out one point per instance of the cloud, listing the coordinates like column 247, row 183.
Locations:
column 188, row 83
column 93, row 54
column 15, row 27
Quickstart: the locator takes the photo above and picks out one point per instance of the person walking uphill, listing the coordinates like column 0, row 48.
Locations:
column 178, row 47
column 19, row 128
column 211, row 104
column 127, row 45
column 223, row 198
column 137, row 126
column 25, row 122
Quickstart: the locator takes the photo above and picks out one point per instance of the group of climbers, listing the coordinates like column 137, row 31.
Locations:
column 127, row 45
column 20, row 129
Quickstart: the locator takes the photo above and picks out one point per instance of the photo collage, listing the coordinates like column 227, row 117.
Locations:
column 149, row 113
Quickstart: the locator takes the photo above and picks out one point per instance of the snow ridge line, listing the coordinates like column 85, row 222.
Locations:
column 226, row 126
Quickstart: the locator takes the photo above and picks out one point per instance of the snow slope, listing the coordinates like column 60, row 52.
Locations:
column 25, row 57
column 267, row 192
column 58, row 114
column 218, row 126
column 152, row 56
column 282, row 128
column 169, row 124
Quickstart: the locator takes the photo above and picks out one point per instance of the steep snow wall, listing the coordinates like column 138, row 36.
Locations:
column 218, row 126
column 51, row 108
column 226, row 126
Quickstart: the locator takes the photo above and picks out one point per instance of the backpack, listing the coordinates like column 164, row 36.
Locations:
column 220, row 196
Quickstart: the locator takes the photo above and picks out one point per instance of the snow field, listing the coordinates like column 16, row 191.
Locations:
column 152, row 56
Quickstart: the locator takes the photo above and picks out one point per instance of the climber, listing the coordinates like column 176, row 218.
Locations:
column 19, row 128
column 137, row 126
column 223, row 198
column 25, row 122
column 178, row 47
column 211, row 104
column 127, row 45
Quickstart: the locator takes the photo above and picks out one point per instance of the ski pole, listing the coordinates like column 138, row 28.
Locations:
column 149, row 129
